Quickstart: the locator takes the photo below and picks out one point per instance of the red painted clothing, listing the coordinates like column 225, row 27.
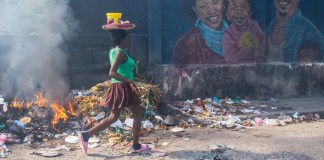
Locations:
column 246, row 46
column 192, row 49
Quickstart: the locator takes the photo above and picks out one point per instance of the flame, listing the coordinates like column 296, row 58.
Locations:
column 16, row 104
column 28, row 104
column 59, row 113
column 41, row 102
column 71, row 109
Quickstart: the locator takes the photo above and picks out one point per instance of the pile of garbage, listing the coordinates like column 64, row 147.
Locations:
column 214, row 106
column 41, row 121
column 236, row 114
column 88, row 108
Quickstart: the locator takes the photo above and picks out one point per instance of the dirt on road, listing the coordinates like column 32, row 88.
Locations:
column 295, row 141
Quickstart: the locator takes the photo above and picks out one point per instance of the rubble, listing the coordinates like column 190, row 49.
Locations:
column 46, row 152
column 39, row 121
column 72, row 139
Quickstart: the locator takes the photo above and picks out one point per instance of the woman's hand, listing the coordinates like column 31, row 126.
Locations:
column 134, row 88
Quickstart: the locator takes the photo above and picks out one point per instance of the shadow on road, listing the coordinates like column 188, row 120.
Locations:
column 236, row 155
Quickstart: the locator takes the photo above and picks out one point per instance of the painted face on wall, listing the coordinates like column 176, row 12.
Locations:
column 239, row 12
column 286, row 7
column 210, row 12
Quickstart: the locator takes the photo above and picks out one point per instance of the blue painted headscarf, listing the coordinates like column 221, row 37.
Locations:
column 212, row 37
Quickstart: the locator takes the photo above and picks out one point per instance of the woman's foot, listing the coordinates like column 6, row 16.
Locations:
column 83, row 138
column 139, row 148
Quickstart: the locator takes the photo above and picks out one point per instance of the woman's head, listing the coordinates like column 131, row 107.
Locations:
column 239, row 12
column 286, row 7
column 118, row 36
column 210, row 12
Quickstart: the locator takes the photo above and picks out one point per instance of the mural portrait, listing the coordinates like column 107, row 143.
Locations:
column 203, row 43
column 243, row 41
column 229, row 32
column 292, row 37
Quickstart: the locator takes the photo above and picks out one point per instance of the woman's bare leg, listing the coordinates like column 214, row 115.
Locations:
column 106, row 122
column 137, row 115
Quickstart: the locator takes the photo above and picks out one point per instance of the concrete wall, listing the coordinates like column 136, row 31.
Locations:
column 261, row 81
column 159, row 24
column 88, row 59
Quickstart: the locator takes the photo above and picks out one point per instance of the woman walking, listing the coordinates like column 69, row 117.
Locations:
column 122, row 92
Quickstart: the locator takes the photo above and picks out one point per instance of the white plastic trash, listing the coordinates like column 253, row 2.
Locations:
column 94, row 140
column 271, row 122
column 177, row 129
column 147, row 124
column 118, row 123
column 129, row 122
column 72, row 139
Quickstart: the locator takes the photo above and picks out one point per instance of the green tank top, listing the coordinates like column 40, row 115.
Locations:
column 125, row 69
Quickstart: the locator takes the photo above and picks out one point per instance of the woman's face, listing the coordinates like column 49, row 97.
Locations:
column 210, row 12
column 286, row 7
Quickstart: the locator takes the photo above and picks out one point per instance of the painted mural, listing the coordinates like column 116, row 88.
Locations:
column 227, row 32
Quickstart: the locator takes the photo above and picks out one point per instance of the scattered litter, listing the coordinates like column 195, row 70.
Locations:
column 147, row 124
column 274, row 108
column 258, row 121
column 72, row 139
column 94, row 140
column 45, row 152
column 177, row 129
column 25, row 120
column 129, row 122
column 295, row 115
column 237, row 128
column 118, row 123
column 83, row 111
column 159, row 154
column 165, row 143
column 185, row 139
column 63, row 147
column 94, row 145
column 190, row 120
column 215, row 147
column 245, row 102
column 271, row 122
column 115, row 137
column 170, row 120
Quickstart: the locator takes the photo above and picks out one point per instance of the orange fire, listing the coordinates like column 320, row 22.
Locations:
column 16, row 104
column 28, row 104
column 41, row 102
column 71, row 109
column 59, row 113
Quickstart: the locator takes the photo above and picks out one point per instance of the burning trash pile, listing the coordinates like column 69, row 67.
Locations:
column 39, row 115
column 37, row 119
column 41, row 120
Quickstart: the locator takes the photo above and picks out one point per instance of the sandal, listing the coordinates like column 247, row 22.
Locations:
column 144, row 147
column 83, row 144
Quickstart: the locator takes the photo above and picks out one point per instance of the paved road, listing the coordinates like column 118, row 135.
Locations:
column 296, row 141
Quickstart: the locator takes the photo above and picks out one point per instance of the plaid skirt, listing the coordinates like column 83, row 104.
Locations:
column 120, row 95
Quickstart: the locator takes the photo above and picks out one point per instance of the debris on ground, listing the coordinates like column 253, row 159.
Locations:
column 42, row 121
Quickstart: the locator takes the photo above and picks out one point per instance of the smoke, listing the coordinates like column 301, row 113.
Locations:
column 32, row 38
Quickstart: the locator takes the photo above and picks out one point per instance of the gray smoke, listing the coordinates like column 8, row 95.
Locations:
column 32, row 38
